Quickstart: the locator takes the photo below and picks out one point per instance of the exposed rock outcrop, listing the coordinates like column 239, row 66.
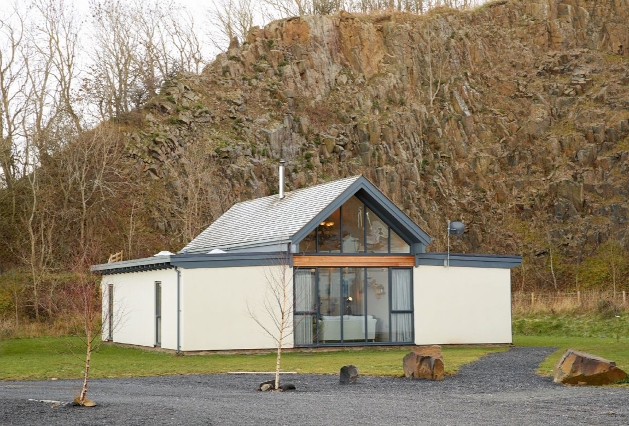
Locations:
column 513, row 118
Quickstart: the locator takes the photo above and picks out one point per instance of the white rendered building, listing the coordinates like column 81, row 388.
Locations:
column 355, row 264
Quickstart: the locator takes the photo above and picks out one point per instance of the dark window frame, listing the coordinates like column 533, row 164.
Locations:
column 317, row 312
column 158, row 313
column 366, row 206
column 110, row 312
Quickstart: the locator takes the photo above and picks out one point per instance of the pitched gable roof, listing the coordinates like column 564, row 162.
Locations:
column 272, row 221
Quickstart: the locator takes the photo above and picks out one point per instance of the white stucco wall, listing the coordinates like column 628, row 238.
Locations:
column 214, row 308
column 460, row 305
column 134, row 307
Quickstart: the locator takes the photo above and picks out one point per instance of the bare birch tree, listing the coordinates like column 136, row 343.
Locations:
column 86, row 302
column 275, row 313
column 436, row 58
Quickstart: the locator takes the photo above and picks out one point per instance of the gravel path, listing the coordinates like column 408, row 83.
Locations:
column 499, row 389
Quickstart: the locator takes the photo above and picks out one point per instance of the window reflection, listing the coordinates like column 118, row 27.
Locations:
column 353, row 305
column 377, row 234
column 309, row 244
column 329, row 234
column 353, row 228
column 353, row 212
column 398, row 245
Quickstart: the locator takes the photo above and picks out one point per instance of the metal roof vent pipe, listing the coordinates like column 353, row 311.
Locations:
column 282, row 163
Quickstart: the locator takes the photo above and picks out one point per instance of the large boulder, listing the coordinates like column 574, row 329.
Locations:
column 425, row 362
column 580, row 368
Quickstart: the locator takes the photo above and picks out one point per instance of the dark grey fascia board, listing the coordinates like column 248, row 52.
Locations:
column 469, row 260
column 134, row 265
column 227, row 260
column 376, row 201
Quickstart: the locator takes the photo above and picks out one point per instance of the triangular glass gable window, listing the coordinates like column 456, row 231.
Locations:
column 354, row 228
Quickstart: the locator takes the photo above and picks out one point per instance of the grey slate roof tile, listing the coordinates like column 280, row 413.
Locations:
column 268, row 220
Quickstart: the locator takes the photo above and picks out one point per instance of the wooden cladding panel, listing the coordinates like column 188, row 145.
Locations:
column 349, row 261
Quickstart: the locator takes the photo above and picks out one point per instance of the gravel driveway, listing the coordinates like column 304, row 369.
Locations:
column 499, row 389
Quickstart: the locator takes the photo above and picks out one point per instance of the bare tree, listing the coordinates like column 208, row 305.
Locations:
column 36, row 85
column 186, row 50
column 436, row 58
column 91, row 176
column 113, row 82
column 168, row 43
column 232, row 19
column 617, row 262
column 200, row 195
column 137, row 48
column 84, row 293
column 59, row 31
column 275, row 314
column 288, row 8
column 12, row 84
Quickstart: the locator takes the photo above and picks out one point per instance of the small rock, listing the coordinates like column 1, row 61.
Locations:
column 270, row 386
column 348, row 375
column 576, row 367
column 287, row 387
column 267, row 386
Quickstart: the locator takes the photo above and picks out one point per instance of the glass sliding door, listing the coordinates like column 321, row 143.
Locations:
column 331, row 305
column 401, row 306
column 377, row 295
column 305, row 326
column 353, row 306
column 354, row 325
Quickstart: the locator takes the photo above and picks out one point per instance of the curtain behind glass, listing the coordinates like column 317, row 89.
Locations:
column 401, row 290
column 304, row 302
column 304, row 291
column 304, row 326
column 401, row 323
column 402, row 327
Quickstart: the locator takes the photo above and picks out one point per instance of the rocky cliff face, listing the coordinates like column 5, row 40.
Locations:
column 513, row 118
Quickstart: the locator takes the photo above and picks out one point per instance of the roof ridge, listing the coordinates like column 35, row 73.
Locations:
column 304, row 188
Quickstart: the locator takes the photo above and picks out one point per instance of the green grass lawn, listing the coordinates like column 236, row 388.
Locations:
column 599, row 333
column 47, row 357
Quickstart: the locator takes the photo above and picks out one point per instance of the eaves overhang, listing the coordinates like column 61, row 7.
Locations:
column 135, row 265
column 468, row 260
column 195, row 261
column 227, row 260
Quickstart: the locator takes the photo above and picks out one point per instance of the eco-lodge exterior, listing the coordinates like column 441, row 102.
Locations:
column 358, row 266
